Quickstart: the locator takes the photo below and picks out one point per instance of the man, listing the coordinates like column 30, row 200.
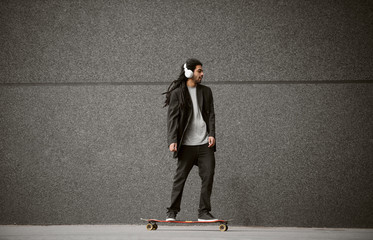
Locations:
column 191, row 135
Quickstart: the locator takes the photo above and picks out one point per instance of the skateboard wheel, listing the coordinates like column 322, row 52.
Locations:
column 149, row 226
column 155, row 226
column 223, row 227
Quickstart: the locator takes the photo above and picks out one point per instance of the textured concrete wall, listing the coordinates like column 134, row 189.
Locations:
column 83, row 131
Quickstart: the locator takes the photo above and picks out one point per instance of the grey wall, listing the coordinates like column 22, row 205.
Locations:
column 83, row 131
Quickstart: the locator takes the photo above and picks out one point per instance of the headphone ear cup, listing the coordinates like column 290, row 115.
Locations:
column 188, row 73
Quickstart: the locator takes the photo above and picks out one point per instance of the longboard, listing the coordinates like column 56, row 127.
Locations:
column 152, row 223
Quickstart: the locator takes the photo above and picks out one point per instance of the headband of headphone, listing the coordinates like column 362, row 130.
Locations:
column 188, row 73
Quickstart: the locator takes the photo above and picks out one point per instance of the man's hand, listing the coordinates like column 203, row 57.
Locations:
column 211, row 141
column 173, row 147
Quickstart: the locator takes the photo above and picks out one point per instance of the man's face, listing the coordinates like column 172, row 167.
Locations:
column 198, row 74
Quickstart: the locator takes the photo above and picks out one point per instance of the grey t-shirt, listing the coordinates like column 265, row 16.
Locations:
column 196, row 133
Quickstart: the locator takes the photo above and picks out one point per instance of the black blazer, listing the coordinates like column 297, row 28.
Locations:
column 178, row 119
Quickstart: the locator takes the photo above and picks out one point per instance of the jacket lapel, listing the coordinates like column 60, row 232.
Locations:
column 199, row 97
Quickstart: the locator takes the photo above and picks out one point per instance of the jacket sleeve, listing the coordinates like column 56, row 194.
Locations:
column 211, row 116
column 173, row 118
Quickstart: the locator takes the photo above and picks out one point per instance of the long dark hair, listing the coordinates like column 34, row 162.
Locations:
column 180, row 82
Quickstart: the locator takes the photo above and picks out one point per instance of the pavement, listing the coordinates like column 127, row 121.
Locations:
column 190, row 232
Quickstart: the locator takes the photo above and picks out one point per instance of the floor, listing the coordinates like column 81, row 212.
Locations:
column 110, row 232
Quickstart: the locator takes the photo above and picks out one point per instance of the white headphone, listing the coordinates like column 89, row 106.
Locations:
column 188, row 73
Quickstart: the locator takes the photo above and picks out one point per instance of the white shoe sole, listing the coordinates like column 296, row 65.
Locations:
column 170, row 219
column 210, row 220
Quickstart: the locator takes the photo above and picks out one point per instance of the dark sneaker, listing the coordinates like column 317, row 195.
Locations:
column 206, row 217
column 171, row 216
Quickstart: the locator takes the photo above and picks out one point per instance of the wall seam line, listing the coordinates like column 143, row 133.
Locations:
column 206, row 82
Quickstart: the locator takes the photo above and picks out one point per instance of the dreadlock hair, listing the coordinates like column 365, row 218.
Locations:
column 180, row 82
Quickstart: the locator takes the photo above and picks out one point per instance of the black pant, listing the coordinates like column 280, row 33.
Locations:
column 204, row 158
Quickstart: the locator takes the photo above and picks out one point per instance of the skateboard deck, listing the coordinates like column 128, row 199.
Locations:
column 152, row 223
